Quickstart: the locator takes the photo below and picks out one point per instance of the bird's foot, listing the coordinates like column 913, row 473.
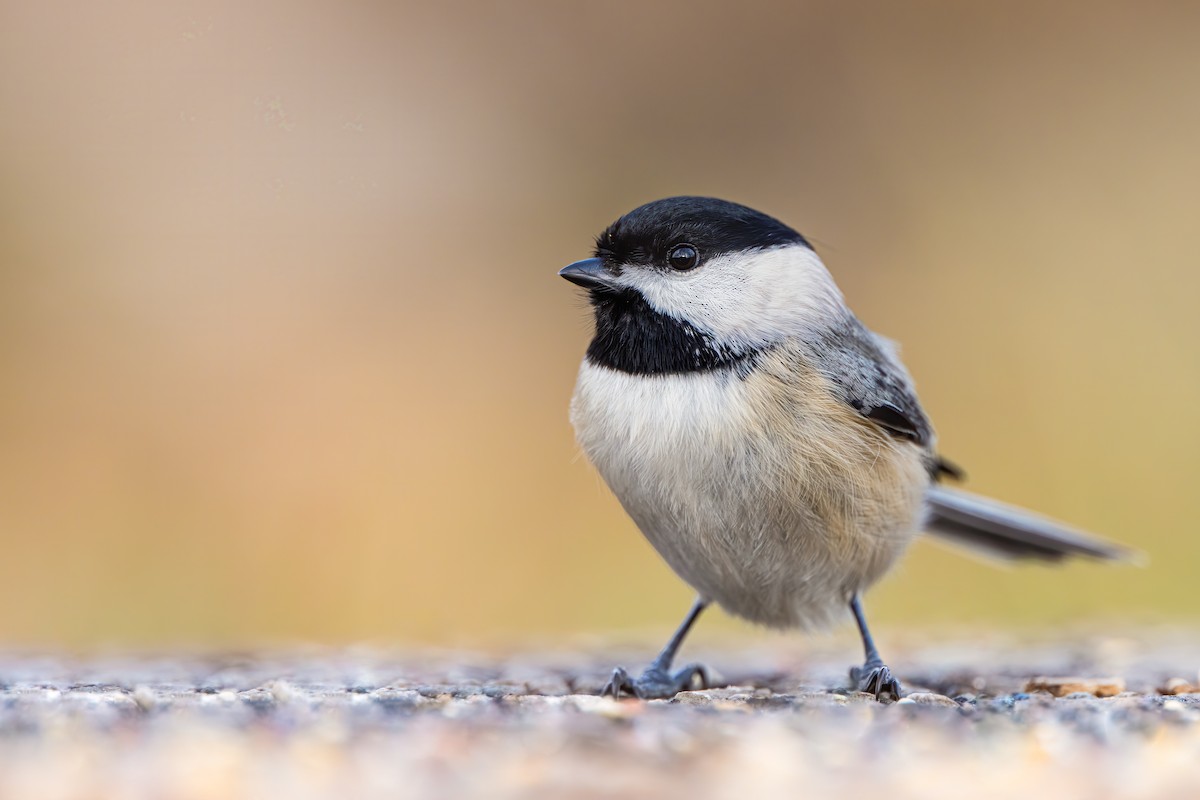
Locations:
column 875, row 678
column 655, row 683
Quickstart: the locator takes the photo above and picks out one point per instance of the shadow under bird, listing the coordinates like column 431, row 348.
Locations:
column 769, row 446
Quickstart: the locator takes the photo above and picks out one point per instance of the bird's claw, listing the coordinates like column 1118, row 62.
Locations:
column 877, row 679
column 655, row 683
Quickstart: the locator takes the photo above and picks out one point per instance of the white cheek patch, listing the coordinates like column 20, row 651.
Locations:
column 746, row 299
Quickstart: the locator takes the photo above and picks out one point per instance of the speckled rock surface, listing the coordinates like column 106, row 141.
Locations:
column 373, row 723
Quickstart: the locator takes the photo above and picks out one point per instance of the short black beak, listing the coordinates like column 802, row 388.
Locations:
column 589, row 273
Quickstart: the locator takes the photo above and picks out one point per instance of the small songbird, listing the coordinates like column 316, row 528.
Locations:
column 767, row 444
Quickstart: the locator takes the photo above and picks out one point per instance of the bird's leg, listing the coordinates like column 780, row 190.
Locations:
column 658, row 681
column 873, row 676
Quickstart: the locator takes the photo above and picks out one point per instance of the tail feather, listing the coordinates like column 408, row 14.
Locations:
column 1008, row 532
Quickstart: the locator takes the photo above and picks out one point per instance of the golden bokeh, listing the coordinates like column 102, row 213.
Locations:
column 283, row 354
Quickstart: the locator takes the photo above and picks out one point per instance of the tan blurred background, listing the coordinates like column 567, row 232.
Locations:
column 283, row 355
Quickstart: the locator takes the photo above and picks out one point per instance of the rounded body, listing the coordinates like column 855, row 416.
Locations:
column 758, row 487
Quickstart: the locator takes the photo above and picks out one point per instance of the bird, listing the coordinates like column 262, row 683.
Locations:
column 768, row 445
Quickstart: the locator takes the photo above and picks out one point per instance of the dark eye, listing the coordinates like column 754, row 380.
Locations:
column 683, row 257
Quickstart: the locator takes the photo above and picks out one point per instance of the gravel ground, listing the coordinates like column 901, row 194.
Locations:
column 985, row 718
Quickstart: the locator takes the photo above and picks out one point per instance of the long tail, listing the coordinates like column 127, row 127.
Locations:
column 1008, row 532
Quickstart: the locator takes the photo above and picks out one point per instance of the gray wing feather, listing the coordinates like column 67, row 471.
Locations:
column 1008, row 532
column 868, row 376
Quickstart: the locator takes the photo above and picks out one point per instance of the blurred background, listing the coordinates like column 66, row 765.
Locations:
column 283, row 355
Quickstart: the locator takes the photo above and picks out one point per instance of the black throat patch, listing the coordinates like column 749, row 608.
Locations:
column 633, row 337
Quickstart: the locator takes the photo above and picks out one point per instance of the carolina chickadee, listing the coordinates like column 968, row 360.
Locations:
column 767, row 444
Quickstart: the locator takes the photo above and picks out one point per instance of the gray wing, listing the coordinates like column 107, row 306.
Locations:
column 869, row 377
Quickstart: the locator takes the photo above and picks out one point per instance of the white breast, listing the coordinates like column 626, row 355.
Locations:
column 777, row 504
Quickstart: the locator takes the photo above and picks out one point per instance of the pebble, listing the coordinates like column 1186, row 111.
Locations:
column 927, row 699
column 1178, row 686
column 1062, row 687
